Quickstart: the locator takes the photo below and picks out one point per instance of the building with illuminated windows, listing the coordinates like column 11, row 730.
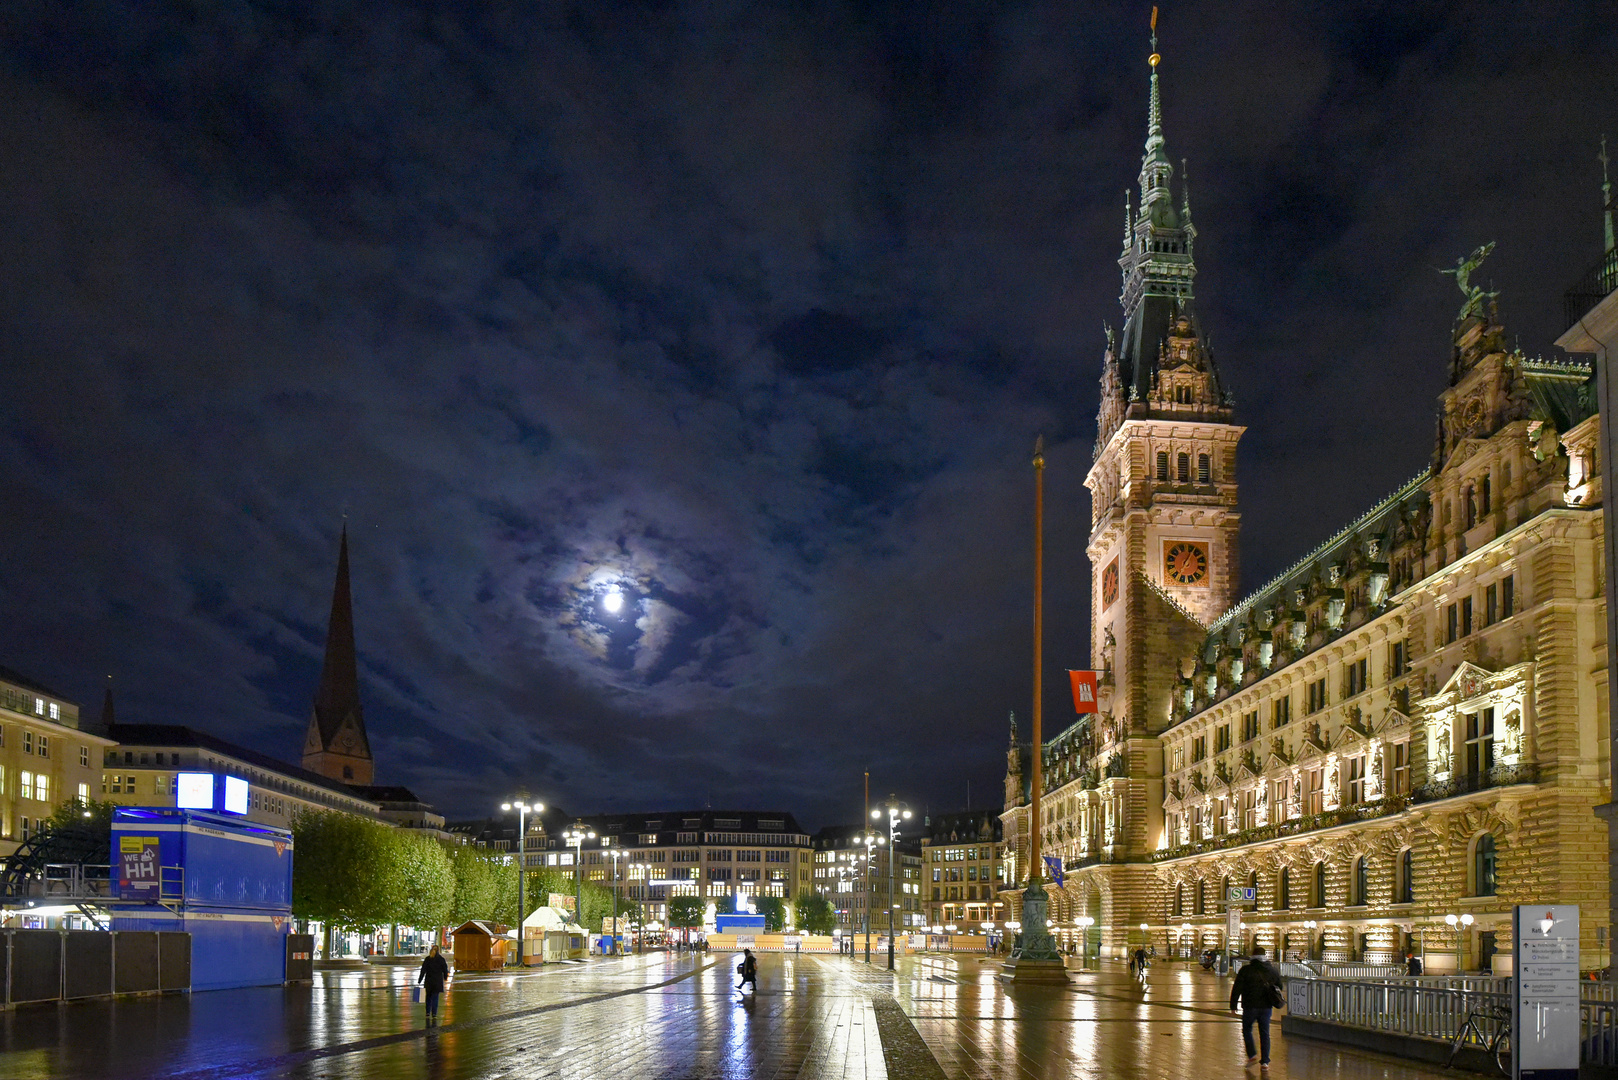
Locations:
column 46, row 758
column 737, row 855
column 1392, row 743
column 962, row 870
column 854, row 876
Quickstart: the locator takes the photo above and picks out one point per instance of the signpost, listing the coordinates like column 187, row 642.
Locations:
column 1236, row 898
column 1545, row 992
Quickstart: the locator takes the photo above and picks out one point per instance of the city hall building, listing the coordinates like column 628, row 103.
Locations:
column 1393, row 742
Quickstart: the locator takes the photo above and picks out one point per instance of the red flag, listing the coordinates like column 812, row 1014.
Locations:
column 1084, row 691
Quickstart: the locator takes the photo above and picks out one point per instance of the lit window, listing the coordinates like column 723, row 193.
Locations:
column 39, row 706
column 42, row 787
column 26, row 787
column 84, row 792
column 56, row 711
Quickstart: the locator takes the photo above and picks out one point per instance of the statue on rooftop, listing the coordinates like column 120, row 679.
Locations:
column 1475, row 294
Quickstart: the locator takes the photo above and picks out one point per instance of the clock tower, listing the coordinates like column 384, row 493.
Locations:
column 1164, row 525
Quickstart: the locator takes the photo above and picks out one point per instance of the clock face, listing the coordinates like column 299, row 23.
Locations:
column 1109, row 585
column 1185, row 562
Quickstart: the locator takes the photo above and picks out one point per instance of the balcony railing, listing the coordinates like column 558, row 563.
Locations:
column 1465, row 784
column 1347, row 815
column 1596, row 284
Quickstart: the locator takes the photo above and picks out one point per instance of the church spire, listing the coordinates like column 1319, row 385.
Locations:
column 336, row 745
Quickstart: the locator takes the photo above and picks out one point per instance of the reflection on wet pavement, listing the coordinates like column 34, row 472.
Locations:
column 673, row 1016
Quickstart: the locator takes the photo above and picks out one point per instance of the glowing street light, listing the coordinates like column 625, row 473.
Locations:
column 522, row 809
column 1465, row 922
column 574, row 837
column 897, row 811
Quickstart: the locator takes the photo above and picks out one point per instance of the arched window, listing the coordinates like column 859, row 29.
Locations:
column 1204, row 471
column 1162, row 464
column 1319, row 897
column 1404, row 887
column 1483, row 495
column 1185, row 468
column 1179, row 899
column 1483, row 866
column 1359, row 883
column 1202, row 898
column 1284, row 889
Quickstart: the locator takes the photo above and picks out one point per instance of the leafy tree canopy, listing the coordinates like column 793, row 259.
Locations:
column 815, row 913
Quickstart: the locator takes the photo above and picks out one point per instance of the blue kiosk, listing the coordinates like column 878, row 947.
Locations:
column 205, row 870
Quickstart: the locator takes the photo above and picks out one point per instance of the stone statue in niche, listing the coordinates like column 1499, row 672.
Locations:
column 1441, row 756
column 1109, row 646
column 1512, row 729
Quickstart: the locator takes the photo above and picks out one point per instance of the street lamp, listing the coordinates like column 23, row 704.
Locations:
column 574, row 837
column 871, row 840
column 1465, row 922
column 615, row 854
column 1185, row 939
column 1309, row 925
column 1085, row 922
column 522, row 809
column 897, row 811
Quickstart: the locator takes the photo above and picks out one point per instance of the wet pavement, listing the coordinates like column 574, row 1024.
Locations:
column 676, row 1017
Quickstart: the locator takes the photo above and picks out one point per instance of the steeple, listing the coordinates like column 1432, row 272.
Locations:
column 336, row 745
column 1160, row 327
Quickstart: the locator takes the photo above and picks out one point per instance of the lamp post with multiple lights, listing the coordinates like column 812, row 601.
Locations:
column 615, row 854
column 523, row 808
column 575, row 836
column 896, row 811
column 871, row 841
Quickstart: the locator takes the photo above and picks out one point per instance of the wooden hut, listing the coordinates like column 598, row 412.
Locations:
column 481, row 946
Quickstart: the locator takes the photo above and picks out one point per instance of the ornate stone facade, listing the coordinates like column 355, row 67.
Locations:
column 1407, row 724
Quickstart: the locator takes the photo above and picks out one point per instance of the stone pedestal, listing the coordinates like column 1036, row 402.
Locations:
column 1035, row 958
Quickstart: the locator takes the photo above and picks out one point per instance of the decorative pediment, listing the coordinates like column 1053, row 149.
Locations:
column 1250, row 765
column 1392, row 721
column 1471, row 680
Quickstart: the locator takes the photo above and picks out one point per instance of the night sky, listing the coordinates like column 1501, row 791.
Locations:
column 752, row 311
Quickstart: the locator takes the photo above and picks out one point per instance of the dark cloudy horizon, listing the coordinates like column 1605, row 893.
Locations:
column 752, row 312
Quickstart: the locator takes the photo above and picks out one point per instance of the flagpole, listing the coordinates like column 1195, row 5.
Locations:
column 1035, row 864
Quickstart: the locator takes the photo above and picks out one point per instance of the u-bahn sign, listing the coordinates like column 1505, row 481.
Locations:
column 1238, row 896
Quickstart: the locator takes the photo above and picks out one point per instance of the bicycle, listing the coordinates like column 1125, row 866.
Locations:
column 1497, row 1045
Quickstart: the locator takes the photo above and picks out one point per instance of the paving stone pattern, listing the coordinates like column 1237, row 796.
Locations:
column 671, row 1018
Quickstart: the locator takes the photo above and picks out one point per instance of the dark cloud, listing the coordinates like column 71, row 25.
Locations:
column 749, row 313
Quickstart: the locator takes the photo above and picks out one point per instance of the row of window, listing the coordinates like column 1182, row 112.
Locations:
column 1239, row 812
column 22, row 702
column 1482, row 880
column 953, row 892
column 956, row 854
column 1499, row 602
column 1182, row 473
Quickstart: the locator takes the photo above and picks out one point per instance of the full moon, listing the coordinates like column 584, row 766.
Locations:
column 613, row 601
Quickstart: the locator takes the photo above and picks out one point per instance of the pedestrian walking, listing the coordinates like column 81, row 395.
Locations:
column 1412, row 964
column 1257, row 990
column 433, row 975
column 748, row 970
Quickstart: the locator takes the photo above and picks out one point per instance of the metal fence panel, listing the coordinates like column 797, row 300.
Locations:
column 87, row 963
column 174, row 960
column 36, row 965
column 134, row 961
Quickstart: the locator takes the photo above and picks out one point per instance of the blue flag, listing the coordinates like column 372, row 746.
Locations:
column 1053, row 863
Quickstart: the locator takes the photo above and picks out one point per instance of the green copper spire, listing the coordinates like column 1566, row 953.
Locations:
column 1155, row 168
column 1606, row 195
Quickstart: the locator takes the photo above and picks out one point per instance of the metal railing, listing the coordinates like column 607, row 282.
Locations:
column 1402, row 1006
column 1436, row 1006
column 1592, row 288
column 76, row 881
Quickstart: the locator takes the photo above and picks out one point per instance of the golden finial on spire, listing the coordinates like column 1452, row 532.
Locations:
column 1154, row 58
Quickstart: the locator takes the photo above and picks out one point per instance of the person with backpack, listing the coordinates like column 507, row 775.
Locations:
column 1254, row 993
column 748, row 970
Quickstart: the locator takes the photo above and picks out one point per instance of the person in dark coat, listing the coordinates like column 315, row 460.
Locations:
column 1412, row 964
column 433, row 975
column 1251, row 990
column 748, row 969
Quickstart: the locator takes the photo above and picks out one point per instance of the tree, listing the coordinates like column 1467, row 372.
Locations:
column 345, row 871
column 815, row 913
column 85, row 814
column 774, row 910
column 686, row 912
column 477, row 884
column 426, row 891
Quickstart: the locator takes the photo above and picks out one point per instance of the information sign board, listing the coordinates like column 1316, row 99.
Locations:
column 1238, row 894
column 138, row 877
column 1545, row 1009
